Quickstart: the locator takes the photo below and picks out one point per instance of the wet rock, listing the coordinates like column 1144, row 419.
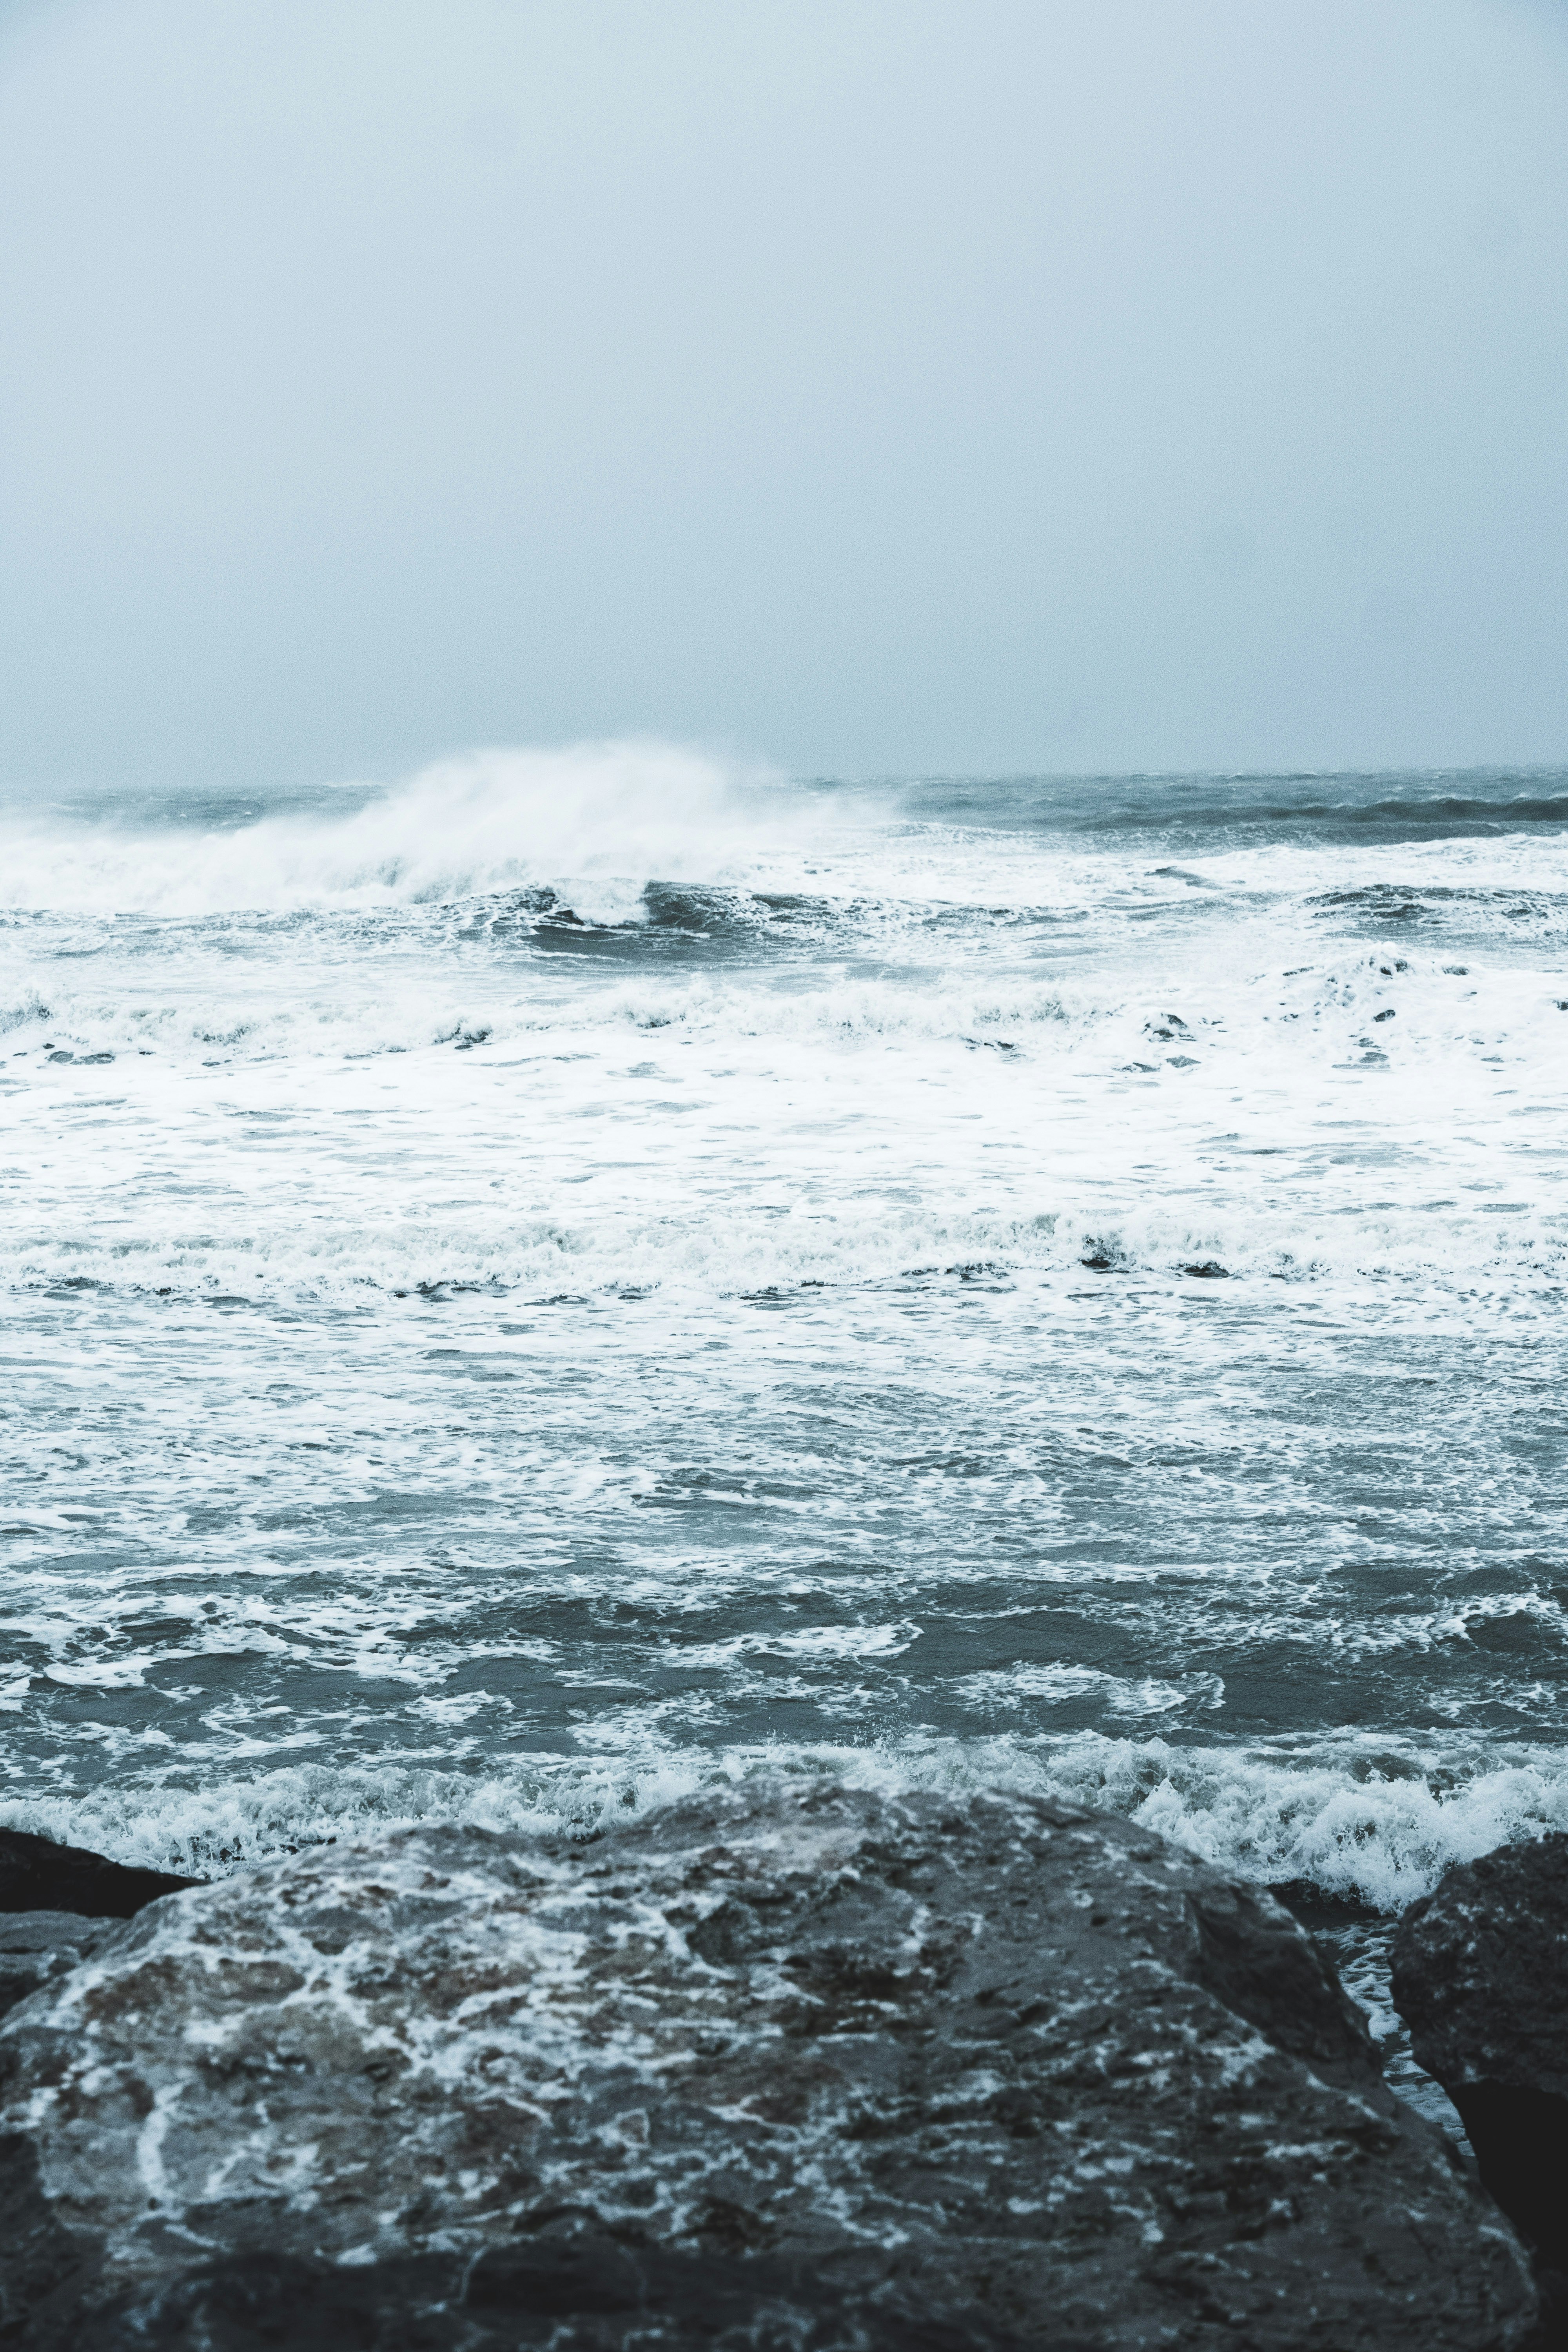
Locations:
column 1319, row 1908
column 1480, row 1976
column 785, row 2066
column 1209, row 1270
column 37, row 1945
column 38, row 1874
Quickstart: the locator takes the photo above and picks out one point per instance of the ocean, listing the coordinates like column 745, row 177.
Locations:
column 586, row 1271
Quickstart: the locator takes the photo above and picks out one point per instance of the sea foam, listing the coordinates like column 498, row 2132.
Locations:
column 590, row 1270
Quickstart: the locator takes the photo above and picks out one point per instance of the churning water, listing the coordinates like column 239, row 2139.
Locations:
column 585, row 1273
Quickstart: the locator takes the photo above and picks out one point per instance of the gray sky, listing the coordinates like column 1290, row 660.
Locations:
column 872, row 385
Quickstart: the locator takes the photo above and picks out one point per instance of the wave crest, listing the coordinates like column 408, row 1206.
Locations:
column 605, row 818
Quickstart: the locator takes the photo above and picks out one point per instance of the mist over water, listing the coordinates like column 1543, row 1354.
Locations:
column 588, row 1271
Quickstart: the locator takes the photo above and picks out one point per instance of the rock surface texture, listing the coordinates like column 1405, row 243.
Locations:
column 1480, row 1976
column 789, row 2067
column 37, row 1945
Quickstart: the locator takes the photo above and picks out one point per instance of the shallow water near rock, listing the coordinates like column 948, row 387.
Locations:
column 586, row 1276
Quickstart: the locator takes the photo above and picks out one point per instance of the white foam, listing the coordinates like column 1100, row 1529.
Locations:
column 1380, row 1820
column 599, row 818
column 293, row 1123
column 915, row 1077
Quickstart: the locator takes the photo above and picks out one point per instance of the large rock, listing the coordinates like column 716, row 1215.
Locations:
column 38, row 1874
column 1480, row 1976
column 784, row 2066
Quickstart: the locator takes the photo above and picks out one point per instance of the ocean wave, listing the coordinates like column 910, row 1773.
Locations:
column 234, row 1250
column 1377, row 1820
column 593, row 821
column 917, row 1140
column 1138, row 1122
column 1324, row 1009
column 1398, row 817
column 1349, row 807
column 650, row 834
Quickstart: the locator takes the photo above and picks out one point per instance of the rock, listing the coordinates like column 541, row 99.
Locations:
column 38, row 1874
column 1480, row 1976
column 788, row 2066
column 35, row 1946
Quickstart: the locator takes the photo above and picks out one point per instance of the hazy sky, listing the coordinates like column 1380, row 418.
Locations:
column 873, row 385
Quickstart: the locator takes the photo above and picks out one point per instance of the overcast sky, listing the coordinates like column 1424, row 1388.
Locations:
column 871, row 385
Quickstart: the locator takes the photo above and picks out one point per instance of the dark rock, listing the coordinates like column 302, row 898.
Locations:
column 569, row 2291
column 787, row 2067
column 1209, row 1270
column 1318, row 1907
column 38, row 1874
column 1480, row 1977
column 37, row 1945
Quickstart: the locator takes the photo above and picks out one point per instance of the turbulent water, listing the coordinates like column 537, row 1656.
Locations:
column 584, row 1273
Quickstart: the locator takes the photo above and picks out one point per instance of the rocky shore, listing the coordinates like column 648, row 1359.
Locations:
column 1480, row 1976
column 787, row 2066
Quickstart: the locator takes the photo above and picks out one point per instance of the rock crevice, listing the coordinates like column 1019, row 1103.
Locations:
column 1480, row 1976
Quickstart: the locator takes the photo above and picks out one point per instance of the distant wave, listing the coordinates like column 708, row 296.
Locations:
column 1350, row 808
column 1438, row 814
column 595, row 821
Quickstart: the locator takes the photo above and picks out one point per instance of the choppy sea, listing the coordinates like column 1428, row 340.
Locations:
column 589, row 1271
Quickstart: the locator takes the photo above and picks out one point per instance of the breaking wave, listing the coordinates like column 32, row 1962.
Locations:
column 601, row 819
column 1379, row 1827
